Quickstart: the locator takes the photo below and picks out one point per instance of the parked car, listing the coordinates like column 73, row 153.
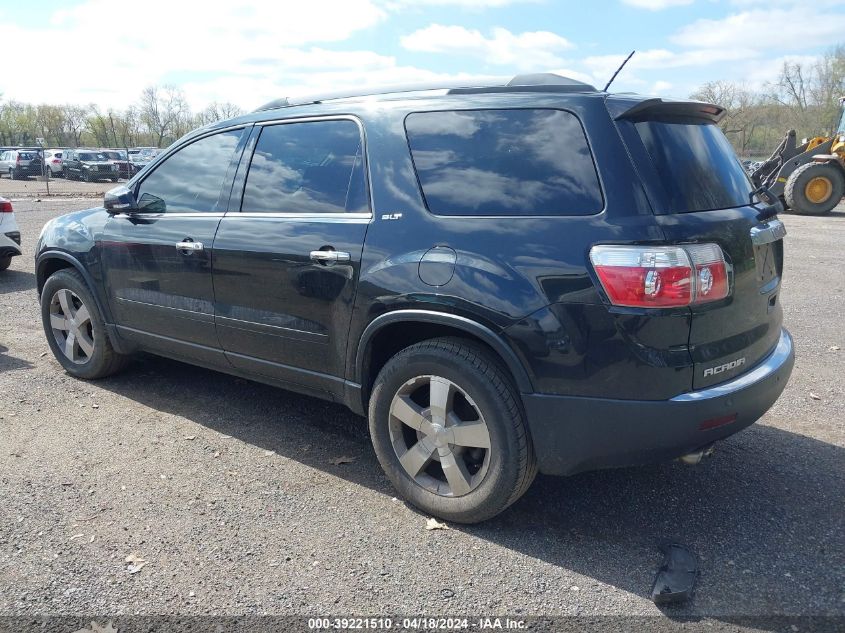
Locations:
column 503, row 277
column 141, row 156
column 88, row 165
column 120, row 158
column 10, row 235
column 53, row 160
column 21, row 163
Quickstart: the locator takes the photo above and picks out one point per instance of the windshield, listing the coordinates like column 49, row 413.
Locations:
column 113, row 155
column 695, row 164
column 841, row 127
column 92, row 157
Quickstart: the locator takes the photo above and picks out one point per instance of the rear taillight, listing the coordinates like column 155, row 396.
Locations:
column 6, row 207
column 55, row 161
column 661, row 276
column 18, row 160
column 711, row 272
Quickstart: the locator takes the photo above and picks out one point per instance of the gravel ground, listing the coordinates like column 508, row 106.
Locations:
column 228, row 490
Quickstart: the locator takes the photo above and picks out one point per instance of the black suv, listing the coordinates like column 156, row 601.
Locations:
column 504, row 277
column 88, row 165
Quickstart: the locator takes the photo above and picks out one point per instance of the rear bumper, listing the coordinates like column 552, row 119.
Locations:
column 573, row 434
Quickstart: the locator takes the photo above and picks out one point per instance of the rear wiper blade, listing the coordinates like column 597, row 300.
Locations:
column 773, row 203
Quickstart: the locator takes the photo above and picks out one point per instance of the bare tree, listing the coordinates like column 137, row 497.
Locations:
column 216, row 111
column 743, row 111
column 162, row 112
column 75, row 120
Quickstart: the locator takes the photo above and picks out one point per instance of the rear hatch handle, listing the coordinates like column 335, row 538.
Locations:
column 767, row 233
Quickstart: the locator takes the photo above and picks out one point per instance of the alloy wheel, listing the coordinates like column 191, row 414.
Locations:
column 72, row 326
column 439, row 436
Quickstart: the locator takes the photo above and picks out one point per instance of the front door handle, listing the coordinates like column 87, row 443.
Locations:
column 330, row 257
column 189, row 245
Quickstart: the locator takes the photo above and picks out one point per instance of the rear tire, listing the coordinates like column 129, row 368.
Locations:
column 75, row 329
column 483, row 444
column 815, row 188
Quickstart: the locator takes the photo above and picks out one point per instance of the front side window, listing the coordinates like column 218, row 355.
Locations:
column 191, row 179
column 504, row 162
column 307, row 167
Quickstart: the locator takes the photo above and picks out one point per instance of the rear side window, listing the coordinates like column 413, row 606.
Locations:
column 696, row 167
column 308, row 167
column 504, row 162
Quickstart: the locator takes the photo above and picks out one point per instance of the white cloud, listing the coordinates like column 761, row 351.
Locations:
column 660, row 58
column 260, row 42
column 790, row 29
column 656, row 5
column 464, row 4
column 529, row 50
column 661, row 87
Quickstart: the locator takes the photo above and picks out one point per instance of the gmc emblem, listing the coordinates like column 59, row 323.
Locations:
column 712, row 371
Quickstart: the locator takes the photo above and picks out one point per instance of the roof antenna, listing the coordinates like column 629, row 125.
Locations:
column 621, row 66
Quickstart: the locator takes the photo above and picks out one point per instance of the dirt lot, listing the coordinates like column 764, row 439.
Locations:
column 229, row 491
column 59, row 188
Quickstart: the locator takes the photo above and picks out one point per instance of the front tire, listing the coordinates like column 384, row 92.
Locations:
column 448, row 429
column 75, row 330
column 5, row 262
column 815, row 188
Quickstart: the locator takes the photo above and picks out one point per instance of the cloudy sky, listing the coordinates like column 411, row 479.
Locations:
column 251, row 51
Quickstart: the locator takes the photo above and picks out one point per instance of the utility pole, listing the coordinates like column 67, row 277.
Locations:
column 44, row 169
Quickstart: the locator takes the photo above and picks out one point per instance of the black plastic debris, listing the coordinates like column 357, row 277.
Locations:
column 676, row 577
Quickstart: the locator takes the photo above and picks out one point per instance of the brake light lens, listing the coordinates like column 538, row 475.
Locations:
column 661, row 276
column 6, row 207
column 711, row 272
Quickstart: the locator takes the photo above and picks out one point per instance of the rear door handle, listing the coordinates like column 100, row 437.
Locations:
column 189, row 245
column 330, row 257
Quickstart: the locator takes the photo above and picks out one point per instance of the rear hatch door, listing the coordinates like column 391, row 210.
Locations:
column 700, row 193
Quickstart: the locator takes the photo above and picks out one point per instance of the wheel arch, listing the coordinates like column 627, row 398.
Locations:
column 50, row 262
column 379, row 342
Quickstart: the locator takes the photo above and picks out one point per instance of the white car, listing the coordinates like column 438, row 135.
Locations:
column 10, row 236
column 53, row 160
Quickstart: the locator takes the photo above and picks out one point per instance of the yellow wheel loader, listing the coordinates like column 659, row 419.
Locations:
column 808, row 178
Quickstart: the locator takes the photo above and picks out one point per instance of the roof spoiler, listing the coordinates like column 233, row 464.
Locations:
column 640, row 108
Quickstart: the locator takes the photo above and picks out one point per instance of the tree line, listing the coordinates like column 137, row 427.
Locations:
column 160, row 116
column 805, row 98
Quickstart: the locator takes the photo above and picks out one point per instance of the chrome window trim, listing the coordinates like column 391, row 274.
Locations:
column 299, row 216
column 176, row 214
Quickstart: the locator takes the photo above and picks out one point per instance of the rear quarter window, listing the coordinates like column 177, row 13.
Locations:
column 517, row 162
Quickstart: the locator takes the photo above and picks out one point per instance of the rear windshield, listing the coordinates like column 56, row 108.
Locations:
column 696, row 166
column 27, row 155
column 504, row 162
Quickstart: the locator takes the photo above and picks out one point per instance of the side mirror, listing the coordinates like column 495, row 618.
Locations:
column 120, row 200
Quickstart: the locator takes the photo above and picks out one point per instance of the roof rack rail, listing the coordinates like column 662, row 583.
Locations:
column 535, row 82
